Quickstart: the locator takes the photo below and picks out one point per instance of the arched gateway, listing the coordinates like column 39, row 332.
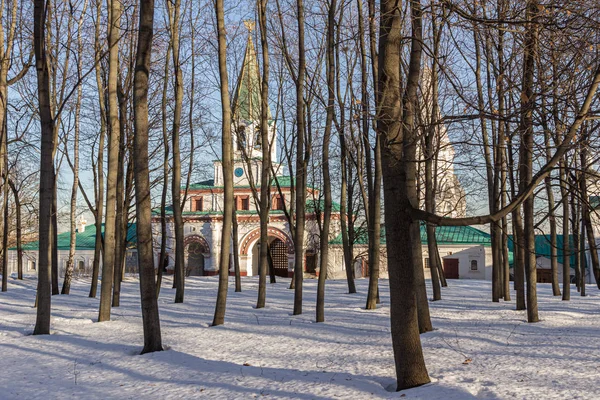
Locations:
column 281, row 251
column 196, row 250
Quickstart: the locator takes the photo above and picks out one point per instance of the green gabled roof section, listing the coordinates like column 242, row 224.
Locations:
column 85, row 240
column 246, row 104
column 310, row 207
column 284, row 182
column 207, row 184
column 445, row 235
column 543, row 247
column 458, row 235
column 314, row 205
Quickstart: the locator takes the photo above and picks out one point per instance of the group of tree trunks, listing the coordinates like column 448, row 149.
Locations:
column 392, row 144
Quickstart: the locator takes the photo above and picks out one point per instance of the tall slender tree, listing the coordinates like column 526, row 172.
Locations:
column 42, row 323
column 227, row 164
column 150, row 316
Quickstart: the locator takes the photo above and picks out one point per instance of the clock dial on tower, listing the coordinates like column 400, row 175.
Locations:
column 239, row 172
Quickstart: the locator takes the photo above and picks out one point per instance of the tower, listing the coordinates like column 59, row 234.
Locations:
column 246, row 116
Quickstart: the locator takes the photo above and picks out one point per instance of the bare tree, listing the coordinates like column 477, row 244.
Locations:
column 227, row 163
column 42, row 324
column 150, row 317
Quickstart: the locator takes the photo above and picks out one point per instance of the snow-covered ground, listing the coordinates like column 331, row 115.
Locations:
column 269, row 353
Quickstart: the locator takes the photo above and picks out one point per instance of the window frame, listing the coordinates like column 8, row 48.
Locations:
column 278, row 202
column 471, row 265
column 195, row 201
column 241, row 201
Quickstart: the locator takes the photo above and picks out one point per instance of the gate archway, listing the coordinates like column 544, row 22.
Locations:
column 196, row 251
column 279, row 257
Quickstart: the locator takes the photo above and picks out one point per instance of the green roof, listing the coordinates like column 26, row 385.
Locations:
column 83, row 241
column 207, row 184
column 310, row 207
column 543, row 247
column 444, row 235
column 283, row 181
column 246, row 104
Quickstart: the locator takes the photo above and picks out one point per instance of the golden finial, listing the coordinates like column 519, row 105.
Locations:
column 249, row 25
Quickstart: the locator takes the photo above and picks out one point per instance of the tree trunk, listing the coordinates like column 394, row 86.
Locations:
column 374, row 188
column 582, row 259
column 99, row 173
column 324, row 234
column 517, row 227
column 265, row 177
column 163, row 256
column 54, row 231
column 72, row 239
column 526, row 160
column 236, row 251
column 121, row 216
column 227, row 150
column 566, row 292
column 587, row 222
column 108, row 259
column 19, row 229
column 150, row 318
column 174, row 12
column 408, row 354
column 42, row 324
column 301, row 165
column 6, row 224
column 575, row 218
column 553, row 242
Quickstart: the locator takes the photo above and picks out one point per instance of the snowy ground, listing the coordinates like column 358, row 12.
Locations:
column 269, row 353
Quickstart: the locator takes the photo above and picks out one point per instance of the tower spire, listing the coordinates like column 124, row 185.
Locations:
column 246, row 99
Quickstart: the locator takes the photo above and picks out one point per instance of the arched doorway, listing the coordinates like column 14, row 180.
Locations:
column 196, row 252
column 283, row 250
column 195, row 260
column 279, row 257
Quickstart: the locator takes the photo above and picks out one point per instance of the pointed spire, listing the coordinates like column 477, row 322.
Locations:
column 246, row 100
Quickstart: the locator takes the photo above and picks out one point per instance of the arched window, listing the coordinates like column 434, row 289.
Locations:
column 474, row 265
column 241, row 138
column 257, row 138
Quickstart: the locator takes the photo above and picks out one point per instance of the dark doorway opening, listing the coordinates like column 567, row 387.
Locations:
column 195, row 260
column 280, row 258
column 451, row 268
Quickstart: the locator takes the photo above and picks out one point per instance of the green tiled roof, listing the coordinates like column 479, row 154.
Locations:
column 542, row 247
column 312, row 204
column 444, row 235
column 207, row 184
column 247, row 97
column 83, row 241
column 284, row 182
column 310, row 207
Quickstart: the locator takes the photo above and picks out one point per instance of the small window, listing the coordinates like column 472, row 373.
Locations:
column 474, row 265
column 197, row 204
column 278, row 202
column 257, row 139
column 242, row 203
column 81, row 266
column 31, row 265
column 426, row 262
column 241, row 138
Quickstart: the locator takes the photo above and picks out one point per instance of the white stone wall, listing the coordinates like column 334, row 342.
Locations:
column 464, row 254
